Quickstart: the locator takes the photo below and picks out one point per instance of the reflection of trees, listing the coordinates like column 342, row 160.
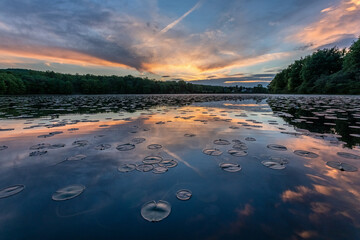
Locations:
column 341, row 128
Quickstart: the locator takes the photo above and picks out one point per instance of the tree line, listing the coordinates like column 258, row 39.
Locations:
column 326, row 71
column 23, row 81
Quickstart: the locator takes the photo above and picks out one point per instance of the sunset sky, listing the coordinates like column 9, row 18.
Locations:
column 223, row 42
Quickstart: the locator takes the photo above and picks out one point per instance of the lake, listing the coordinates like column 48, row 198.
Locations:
column 180, row 167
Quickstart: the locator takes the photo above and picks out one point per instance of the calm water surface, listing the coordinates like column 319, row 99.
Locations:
column 278, row 194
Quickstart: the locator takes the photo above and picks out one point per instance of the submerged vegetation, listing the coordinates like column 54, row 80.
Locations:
column 22, row 81
column 326, row 71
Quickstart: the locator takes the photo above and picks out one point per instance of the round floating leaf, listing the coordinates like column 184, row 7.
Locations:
column 221, row 142
column 160, row 170
column 240, row 146
column 230, row 167
column 76, row 157
column 68, row 192
column 306, row 154
column 144, row 167
column 155, row 211
column 58, row 145
column 342, row 166
column 212, row 151
column 138, row 140
column 152, row 159
column 237, row 153
column 154, row 146
column 275, row 163
column 3, row 147
column 103, row 146
column 348, row 155
column 183, row 194
column 40, row 146
column 125, row 147
column 189, row 135
column 250, row 139
column 11, row 190
column 37, row 153
column 277, row 147
column 126, row 167
column 168, row 163
column 80, row 143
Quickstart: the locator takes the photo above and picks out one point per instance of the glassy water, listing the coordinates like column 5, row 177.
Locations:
column 180, row 167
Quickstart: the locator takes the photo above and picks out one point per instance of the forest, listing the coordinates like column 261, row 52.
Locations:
column 23, row 81
column 326, row 71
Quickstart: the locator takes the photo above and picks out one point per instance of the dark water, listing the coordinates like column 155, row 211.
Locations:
column 302, row 198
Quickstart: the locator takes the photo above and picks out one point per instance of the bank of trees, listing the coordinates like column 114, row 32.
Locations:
column 326, row 71
column 21, row 81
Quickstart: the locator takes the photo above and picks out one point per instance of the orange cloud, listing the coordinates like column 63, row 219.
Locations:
column 335, row 24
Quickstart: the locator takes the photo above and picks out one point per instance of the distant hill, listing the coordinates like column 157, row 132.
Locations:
column 326, row 71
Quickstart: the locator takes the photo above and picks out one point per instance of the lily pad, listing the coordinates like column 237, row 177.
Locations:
column 348, row 155
column 152, row 159
column 155, row 211
column 212, row 151
column 37, row 153
column 128, row 167
column 40, row 146
column 159, row 170
column 125, row 147
column 342, row 166
column 189, row 135
column 221, row 142
column 240, row 146
column 144, row 167
column 277, row 147
column 3, row 147
column 103, row 146
column 183, row 194
column 80, row 143
column 230, row 167
column 138, row 140
column 11, row 190
column 306, row 154
column 275, row 163
column 154, row 146
column 68, row 192
column 250, row 139
column 168, row 163
column 237, row 153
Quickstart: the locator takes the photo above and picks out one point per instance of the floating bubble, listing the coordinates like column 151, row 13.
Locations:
column 152, row 159
column 154, row 146
column 144, row 167
column 183, row 194
column 342, row 166
column 80, row 143
column 221, row 142
column 128, row 167
column 68, row 192
column 155, row 211
column 212, row 151
column 125, row 147
column 237, row 153
column 76, row 157
column 37, row 153
column 189, row 135
column 3, row 147
column 348, row 155
column 240, row 146
column 138, row 140
column 230, row 167
column 103, row 146
column 277, row 147
column 306, row 154
column 250, row 139
column 168, row 163
column 11, row 190
column 159, row 170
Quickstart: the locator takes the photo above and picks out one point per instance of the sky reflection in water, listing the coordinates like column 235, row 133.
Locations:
column 306, row 200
